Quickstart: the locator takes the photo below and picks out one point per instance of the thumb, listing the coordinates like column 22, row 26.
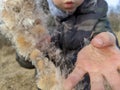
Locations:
column 104, row 39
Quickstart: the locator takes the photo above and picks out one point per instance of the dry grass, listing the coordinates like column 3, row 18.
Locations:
column 118, row 36
column 12, row 76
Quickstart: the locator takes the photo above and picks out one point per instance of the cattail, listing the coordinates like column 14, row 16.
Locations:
column 23, row 22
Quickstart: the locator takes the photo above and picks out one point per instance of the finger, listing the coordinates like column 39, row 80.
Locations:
column 97, row 81
column 74, row 78
column 103, row 39
column 113, row 79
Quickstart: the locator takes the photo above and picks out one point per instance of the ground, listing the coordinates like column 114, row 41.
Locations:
column 13, row 76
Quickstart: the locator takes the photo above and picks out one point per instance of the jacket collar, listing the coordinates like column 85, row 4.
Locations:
column 87, row 6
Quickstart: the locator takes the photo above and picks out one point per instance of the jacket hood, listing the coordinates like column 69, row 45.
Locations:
column 88, row 6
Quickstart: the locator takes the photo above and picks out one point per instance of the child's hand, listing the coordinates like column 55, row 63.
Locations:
column 101, row 59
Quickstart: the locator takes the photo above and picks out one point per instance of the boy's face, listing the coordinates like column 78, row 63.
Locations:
column 68, row 5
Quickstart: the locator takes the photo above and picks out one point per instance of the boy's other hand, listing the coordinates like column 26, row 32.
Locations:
column 101, row 60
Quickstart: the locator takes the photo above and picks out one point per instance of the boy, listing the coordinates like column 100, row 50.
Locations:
column 82, row 22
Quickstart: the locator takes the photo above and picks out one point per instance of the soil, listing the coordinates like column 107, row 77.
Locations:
column 12, row 75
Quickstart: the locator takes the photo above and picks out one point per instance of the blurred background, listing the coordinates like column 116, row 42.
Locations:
column 114, row 16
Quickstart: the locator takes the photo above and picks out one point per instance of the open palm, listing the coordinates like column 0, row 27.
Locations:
column 100, row 62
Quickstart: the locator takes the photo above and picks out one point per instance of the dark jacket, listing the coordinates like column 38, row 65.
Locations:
column 87, row 21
